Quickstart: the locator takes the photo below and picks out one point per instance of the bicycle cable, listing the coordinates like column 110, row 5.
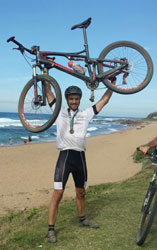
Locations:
column 101, row 88
column 25, row 57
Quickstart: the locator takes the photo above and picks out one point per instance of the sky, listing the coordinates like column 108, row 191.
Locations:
column 48, row 24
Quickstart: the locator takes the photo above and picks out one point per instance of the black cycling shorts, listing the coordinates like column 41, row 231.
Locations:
column 70, row 161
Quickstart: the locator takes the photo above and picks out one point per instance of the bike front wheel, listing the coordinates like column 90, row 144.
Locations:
column 37, row 116
column 133, row 78
column 149, row 210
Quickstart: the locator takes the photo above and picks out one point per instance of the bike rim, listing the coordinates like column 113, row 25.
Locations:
column 35, row 115
column 137, row 68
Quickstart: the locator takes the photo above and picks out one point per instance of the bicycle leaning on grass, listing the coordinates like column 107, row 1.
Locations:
column 149, row 206
column 127, row 61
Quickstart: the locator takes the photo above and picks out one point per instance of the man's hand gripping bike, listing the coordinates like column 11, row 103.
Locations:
column 127, row 61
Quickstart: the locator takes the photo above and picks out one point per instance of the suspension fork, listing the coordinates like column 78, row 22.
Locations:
column 35, row 85
column 151, row 184
column 38, row 99
column 43, row 91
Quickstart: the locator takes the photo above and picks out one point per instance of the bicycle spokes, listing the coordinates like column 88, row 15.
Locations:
column 36, row 110
column 135, row 72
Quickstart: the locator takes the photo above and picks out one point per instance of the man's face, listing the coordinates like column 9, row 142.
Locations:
column 73, row 101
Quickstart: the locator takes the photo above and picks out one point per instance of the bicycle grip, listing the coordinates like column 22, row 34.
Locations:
column 11, row 39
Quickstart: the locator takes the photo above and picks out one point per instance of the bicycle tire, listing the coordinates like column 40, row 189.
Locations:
column 140, row 67
column 145, row 225
column 38, row 118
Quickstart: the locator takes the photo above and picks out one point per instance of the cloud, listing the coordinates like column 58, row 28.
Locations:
column 147, row 48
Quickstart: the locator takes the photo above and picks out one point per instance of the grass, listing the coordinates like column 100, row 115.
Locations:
column 150, row 119
column 115, row 207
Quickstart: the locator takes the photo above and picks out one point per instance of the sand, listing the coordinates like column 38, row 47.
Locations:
column 26, row 171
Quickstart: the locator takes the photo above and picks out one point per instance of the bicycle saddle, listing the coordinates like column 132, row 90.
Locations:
column 84, row 24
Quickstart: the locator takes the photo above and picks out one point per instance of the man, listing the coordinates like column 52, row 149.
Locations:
column 71, row 133
column 152, row 144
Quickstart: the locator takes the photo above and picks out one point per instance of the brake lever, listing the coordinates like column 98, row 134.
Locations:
column 21, row 48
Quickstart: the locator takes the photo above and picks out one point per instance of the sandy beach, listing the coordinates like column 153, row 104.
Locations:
column 26, row 171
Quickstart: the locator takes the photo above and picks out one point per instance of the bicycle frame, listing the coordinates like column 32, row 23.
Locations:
column 94, row 61
column 150, row 184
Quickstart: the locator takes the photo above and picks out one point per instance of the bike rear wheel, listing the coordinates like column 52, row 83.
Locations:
column 149, row 210
column 139, row 70
column 37, row 117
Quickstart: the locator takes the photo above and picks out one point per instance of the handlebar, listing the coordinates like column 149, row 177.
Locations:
column 33, row 51
column 152, row 155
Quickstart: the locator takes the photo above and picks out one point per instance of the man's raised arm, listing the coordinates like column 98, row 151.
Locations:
column 104, row 99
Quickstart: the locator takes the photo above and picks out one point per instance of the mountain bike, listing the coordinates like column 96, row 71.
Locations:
column 149, row 206
column 125, row 61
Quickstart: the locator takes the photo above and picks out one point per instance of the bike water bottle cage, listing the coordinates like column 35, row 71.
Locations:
column 84, row 24
column 73, row 90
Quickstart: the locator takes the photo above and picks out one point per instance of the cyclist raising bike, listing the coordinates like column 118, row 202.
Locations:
column 71, row 132
column 149, row 145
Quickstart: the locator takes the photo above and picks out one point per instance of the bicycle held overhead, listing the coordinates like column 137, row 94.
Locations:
column 126, row 61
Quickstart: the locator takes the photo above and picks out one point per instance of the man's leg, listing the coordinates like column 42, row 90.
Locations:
column 53, row 210
column 60, row 179
column 80, row 203
column 54, row 204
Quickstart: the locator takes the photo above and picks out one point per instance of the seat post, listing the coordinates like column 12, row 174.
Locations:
column 85, row 42
column 87, row 52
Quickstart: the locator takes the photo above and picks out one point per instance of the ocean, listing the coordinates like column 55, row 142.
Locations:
column 13, row 133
